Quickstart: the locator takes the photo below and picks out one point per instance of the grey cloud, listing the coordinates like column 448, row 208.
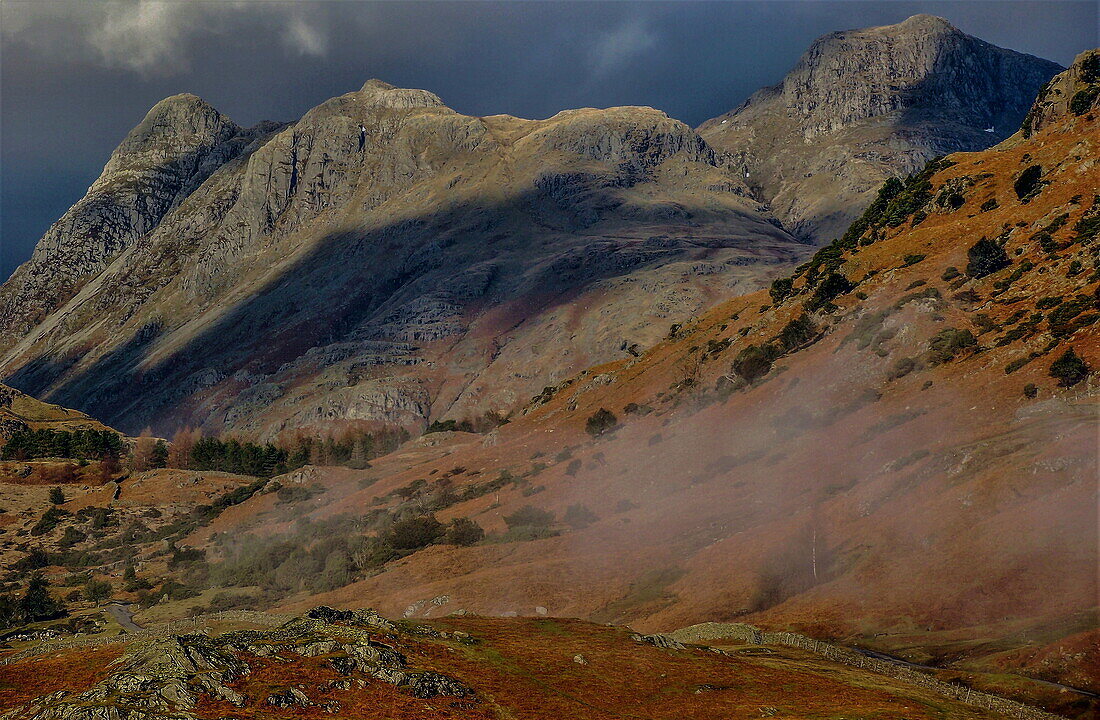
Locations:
column 616, row 49
column 154, row 36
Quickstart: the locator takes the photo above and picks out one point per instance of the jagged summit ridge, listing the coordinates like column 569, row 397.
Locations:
column 380, row 230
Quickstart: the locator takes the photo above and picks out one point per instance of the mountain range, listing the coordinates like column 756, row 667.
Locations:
column 386, row 260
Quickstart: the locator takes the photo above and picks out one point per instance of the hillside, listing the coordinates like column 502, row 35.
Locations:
column 865, row 105
column 19, row 411
column 907, row 459
column 383, row 260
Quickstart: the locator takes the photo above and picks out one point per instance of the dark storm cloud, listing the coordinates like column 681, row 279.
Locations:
column 77, row 76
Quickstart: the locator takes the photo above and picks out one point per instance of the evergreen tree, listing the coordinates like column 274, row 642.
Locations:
column 57, row 496
column 37, row 603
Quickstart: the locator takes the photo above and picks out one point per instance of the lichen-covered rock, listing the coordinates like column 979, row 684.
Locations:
column 661, row 641
column 165, row 678
column 289, row 697
column 363, row 618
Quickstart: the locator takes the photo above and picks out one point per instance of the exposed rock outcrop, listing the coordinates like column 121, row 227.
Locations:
column 1070, row 94
column 166, row 678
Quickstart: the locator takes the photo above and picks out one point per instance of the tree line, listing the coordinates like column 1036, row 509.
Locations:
column 190, row 450
column 81, row 444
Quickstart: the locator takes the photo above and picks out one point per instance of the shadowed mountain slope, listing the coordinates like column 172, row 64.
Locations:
column 383, row 259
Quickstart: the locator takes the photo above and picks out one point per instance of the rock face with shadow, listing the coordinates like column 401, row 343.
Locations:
column 384, row 259
column 865, row 105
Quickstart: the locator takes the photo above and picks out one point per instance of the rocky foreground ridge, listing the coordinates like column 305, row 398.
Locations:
column 356, row 664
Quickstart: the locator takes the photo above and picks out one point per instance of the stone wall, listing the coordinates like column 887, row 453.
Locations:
column 748, row 634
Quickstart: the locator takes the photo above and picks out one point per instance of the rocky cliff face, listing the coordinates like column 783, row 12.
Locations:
column 864, row 105
column 383, row 259
column 181, row 141
column 1071, row 94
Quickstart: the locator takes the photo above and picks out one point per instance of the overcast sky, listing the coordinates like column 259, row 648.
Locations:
column 76, row 76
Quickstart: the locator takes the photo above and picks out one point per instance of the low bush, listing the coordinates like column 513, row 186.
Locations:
column 528, row 516
column 49, row 520
column 834, row 285
column 1028, row 183
column 1083, row 99
column 948, row 343
column 416, row 532
column 752, row 363
column 781, row 289
column 579, row 516
column 463, row 531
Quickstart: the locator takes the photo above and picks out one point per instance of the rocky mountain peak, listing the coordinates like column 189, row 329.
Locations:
column 380, row 94
column 923, row 66
column 863, row 105
column 923, row 22
column 374, row 86
column 177, row 126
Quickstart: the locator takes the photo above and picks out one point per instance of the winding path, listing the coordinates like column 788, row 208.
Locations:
column 123, row 617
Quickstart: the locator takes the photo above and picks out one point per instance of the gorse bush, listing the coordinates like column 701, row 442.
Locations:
column 600, row 422
column 1083, row 100
column 833, row 286
column 528, row 516
column 463, row 531
column 949, row 343
column 781, row 289
column 1028, row 182
column 49, row 520
column 480, row 424
column 413, row 533
column 752, row 363
column 579, row 517
column 798, row 332
column 986, row 256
